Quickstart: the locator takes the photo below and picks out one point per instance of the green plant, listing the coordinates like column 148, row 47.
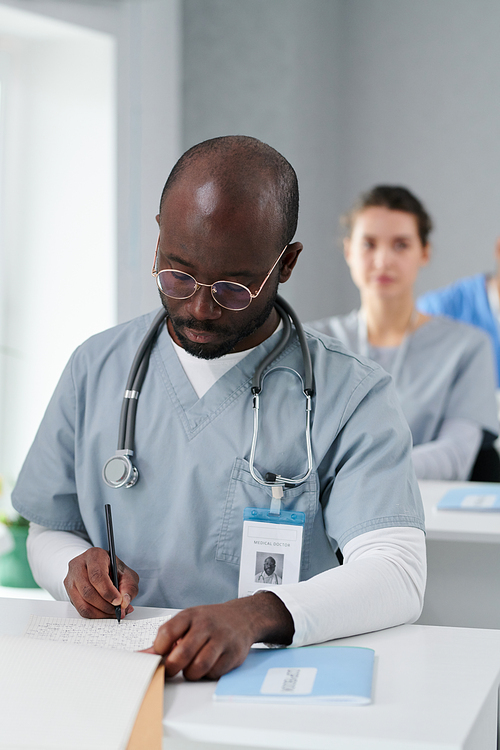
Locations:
column 16, row 521
column 14, row 567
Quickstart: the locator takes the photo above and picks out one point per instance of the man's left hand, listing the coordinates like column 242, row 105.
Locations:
column 210, row 640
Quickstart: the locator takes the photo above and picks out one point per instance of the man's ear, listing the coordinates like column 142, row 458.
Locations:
column 289, row 260
column 158, row 219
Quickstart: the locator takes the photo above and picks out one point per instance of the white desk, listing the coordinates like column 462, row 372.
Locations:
column 434, row 689
column 463, row 563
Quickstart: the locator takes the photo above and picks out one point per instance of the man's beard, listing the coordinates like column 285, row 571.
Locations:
column 232, row 336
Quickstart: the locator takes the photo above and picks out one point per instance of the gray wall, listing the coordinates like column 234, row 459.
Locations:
column 356, row 92
column 421, row 106
column 272, row 69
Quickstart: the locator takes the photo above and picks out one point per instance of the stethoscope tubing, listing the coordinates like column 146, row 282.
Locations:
column 280, row 480
column 139, row 367
column 286, row 313
column 126, row 430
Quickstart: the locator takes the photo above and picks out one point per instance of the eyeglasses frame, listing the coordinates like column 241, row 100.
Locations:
column 198, row 284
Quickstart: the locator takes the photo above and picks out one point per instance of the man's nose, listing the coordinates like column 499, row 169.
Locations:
column 202, row 305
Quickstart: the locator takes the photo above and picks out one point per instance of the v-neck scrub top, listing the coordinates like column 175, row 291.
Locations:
column 180, row 526
column 447, row 373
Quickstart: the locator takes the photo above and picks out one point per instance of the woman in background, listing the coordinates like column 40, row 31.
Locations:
column 443, row 370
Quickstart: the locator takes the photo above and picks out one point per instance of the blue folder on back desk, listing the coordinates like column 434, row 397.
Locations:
column 484, row 497
column 311, row 674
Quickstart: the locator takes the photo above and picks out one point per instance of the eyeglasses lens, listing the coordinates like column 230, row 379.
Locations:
column 180, row 285
column 231, row 296
column 176, row 284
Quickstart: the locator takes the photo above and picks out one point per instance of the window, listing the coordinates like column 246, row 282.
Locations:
column 57, row 212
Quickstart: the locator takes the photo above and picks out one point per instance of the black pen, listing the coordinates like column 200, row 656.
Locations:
column 112, row 555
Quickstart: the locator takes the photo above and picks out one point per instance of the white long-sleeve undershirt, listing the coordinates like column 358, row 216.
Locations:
column 381, row 583
column 49, row 554
column 452, row 454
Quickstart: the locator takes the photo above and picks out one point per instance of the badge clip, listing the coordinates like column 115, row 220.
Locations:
column 275, row 509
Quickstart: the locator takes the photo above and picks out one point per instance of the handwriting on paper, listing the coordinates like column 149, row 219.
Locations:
column 129, row 635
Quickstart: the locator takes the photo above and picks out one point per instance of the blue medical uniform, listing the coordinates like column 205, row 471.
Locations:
column 466, row 300
column 180, row 526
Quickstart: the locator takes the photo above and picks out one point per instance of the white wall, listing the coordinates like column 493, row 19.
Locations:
column 148, row 40
column 57, row 240
column 44, row 208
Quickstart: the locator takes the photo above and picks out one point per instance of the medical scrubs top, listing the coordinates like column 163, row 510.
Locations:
column 447, row 373
column 180, row 526
column 466, row 300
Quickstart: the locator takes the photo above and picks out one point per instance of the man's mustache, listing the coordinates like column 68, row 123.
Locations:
column 203, row 326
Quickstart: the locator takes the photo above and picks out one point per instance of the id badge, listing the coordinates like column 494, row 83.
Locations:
column 270, row 549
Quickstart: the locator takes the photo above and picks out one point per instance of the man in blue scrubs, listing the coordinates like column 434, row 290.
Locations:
column 227, row 219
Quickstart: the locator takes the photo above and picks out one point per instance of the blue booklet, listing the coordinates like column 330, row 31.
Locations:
column 311, row 674
column 485, row 497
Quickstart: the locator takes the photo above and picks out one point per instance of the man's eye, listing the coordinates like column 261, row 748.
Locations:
column 179, row 275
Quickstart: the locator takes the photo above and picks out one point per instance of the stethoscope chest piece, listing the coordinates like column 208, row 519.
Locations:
column 119, row 471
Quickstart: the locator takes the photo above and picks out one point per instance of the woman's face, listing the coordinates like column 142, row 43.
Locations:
column 384, row 252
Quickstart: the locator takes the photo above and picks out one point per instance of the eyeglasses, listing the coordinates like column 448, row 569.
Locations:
column 227, row 294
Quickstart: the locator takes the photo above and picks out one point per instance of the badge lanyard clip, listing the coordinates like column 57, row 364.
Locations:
column 275, row 508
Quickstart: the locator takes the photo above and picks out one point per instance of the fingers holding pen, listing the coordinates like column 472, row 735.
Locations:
column 90, row 588
column 128, row 584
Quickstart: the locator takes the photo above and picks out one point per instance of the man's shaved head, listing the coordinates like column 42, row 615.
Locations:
column 242, row 167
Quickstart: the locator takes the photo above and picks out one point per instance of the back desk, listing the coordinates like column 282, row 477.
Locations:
column 463, row 562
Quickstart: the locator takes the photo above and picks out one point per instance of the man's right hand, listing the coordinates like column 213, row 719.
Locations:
column 91, row 589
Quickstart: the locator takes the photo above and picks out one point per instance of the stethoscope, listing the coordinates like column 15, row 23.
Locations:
column 119, row 471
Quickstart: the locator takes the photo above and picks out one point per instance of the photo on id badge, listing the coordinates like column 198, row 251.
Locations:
column 270, row 550
column 269, row 568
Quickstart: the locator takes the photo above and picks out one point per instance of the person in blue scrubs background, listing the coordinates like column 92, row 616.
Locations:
column 474, row 300
column 227, row 220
